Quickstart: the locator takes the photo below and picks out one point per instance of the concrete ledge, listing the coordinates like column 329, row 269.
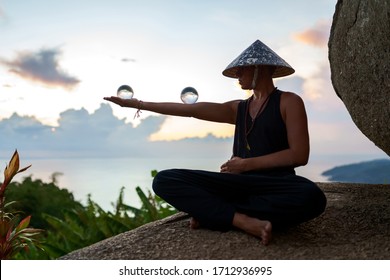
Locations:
column 355, row 225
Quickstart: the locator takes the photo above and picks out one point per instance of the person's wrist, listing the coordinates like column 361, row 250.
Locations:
column 138, row 106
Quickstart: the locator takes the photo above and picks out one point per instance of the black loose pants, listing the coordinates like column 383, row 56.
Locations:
column 213, row 198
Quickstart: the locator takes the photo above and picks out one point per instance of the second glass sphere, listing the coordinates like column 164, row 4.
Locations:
column 189, row 95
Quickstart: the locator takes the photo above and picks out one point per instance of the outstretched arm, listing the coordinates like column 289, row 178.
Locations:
column 215, row 112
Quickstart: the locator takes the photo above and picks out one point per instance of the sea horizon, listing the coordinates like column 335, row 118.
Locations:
column 103, row 178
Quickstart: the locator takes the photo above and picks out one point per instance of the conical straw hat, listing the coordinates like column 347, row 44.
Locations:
column 259, row 54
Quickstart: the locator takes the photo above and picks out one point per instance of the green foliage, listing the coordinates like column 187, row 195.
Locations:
column 35, row 197
column 70, row 226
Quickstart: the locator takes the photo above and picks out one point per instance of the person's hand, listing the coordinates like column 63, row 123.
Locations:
column 133, row 102
column 233, row 165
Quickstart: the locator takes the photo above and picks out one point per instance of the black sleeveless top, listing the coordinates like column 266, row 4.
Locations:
column 266, row 135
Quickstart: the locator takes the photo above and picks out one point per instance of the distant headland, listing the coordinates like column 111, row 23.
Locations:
column 369, row 172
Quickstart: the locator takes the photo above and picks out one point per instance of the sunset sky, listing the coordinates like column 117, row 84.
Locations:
column 58, row 59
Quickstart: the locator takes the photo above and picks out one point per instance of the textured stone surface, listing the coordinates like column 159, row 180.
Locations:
column 359, row 55
column 355, row 225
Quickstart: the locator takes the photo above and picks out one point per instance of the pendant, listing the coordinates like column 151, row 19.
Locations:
column 248, row 147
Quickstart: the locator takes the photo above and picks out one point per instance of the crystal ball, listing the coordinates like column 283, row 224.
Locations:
column 189, row 95
column 125, row 92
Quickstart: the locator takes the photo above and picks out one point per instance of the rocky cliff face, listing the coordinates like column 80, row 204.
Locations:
column 355, row 225
column 359, row 55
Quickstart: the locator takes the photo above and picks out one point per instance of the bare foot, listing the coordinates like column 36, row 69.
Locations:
column 254, row 226
column 194, row 224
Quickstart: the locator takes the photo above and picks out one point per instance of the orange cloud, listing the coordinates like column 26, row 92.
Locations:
column 318, row 35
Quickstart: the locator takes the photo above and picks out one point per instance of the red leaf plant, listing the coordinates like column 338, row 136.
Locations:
column 14, row 235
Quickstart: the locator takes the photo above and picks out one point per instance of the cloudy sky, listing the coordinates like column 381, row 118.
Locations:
column 58, row 59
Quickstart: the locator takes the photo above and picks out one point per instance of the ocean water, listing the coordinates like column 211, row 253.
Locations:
column 104, row 177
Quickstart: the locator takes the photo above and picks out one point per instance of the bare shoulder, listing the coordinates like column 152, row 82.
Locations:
column 289, row 100
column 288, row 96
column 291, row 103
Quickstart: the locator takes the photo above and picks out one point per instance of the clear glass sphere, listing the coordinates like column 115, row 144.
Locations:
column 125, row 92
column 189, row 95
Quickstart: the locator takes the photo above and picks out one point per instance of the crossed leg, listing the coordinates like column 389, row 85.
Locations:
column 219, row 201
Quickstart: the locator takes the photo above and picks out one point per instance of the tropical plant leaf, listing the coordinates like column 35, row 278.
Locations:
column 23, row 224
column 64, row 229
column 147, row 205
column 10, row 171
column 24, row 168
column 132, row 209
column 8, row 204
column 153, row 173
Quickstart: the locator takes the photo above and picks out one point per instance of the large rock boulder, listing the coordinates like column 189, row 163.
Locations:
column 359, row 55
column 355, row 225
